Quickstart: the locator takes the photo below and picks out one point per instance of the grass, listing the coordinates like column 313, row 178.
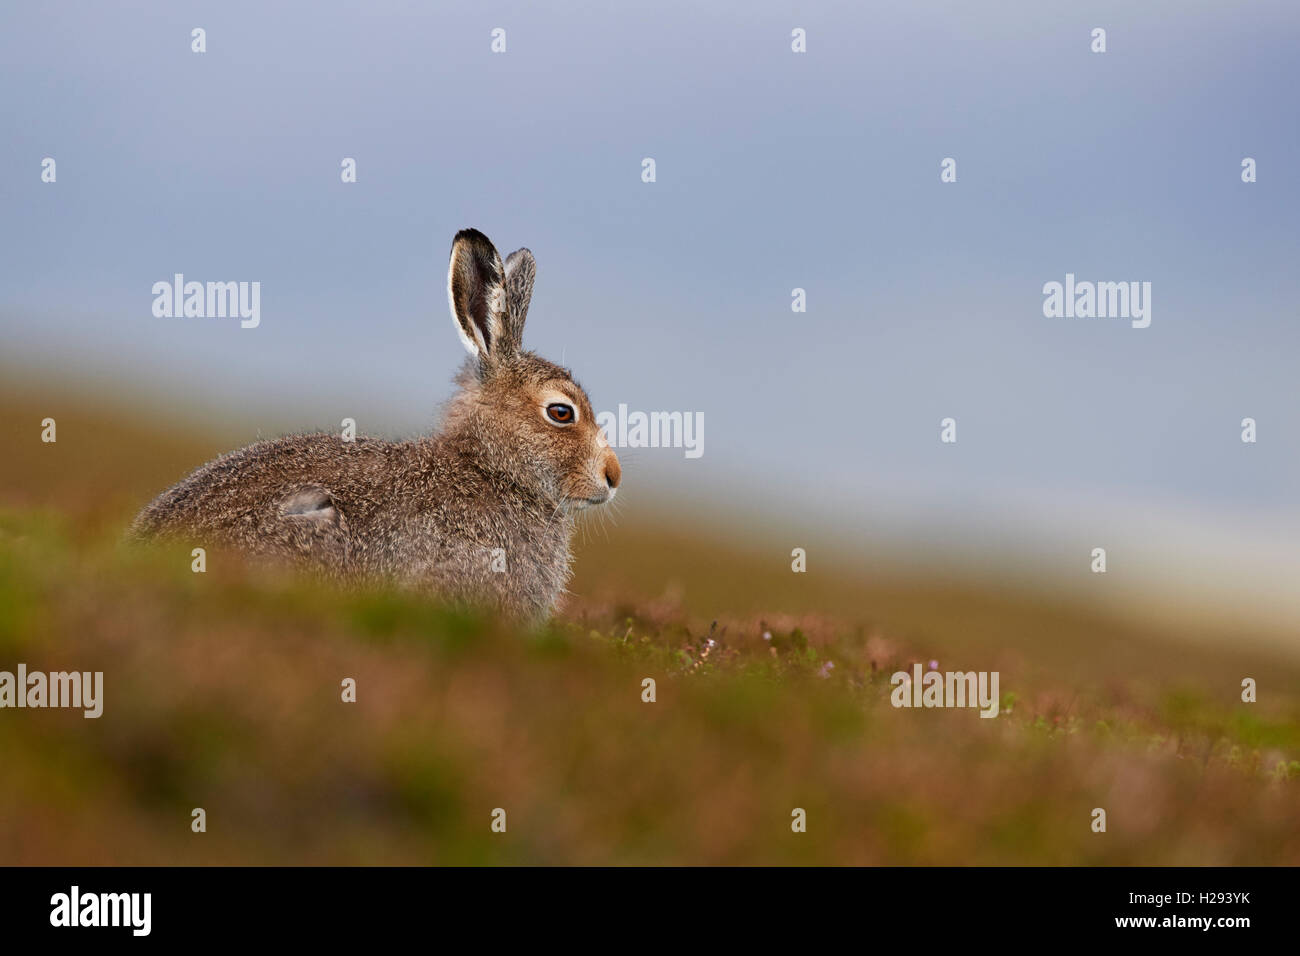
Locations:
column 223, row 691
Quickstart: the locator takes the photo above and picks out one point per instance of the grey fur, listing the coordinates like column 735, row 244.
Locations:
column 521, row 272
column 428, row 513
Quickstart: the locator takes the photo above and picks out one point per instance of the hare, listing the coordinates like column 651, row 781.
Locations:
column 480, row 512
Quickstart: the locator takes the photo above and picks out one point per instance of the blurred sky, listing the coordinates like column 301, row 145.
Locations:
column 775, row 170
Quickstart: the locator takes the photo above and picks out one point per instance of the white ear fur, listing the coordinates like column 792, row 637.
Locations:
column 476, row 294
column 474, row 346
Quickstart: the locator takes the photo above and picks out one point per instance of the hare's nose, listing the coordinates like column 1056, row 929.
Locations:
column 612, row 471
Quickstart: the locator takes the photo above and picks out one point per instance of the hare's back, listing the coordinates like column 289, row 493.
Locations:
column 300, row 495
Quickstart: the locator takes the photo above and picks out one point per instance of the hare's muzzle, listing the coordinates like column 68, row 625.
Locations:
column 613, row 472
column 607, row 472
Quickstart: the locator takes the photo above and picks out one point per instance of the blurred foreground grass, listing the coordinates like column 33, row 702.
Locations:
column 222, row 691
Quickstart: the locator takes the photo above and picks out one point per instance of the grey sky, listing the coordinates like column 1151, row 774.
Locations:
column 775, row 170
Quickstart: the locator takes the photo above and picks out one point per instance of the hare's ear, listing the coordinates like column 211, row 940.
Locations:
column 521, row 271
column 477, row 293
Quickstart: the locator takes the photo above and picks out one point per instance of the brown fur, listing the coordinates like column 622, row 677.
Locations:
column 429, row 512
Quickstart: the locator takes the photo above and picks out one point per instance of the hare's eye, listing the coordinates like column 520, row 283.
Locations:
column 560, row 413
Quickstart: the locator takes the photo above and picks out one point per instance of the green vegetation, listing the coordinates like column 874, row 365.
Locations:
column 223, row 691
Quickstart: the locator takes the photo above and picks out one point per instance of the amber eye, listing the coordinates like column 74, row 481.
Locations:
column 560, row 413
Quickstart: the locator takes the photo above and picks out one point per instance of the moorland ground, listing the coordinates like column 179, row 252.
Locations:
column 222, row 691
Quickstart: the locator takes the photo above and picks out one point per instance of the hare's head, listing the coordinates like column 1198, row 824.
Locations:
column 527, row 419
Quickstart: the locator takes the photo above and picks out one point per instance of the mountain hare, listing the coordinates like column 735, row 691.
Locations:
column 480, row 512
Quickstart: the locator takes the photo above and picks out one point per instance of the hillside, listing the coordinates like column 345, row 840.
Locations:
column 222, row 691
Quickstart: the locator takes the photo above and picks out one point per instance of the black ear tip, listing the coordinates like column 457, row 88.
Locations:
column 472, row 236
